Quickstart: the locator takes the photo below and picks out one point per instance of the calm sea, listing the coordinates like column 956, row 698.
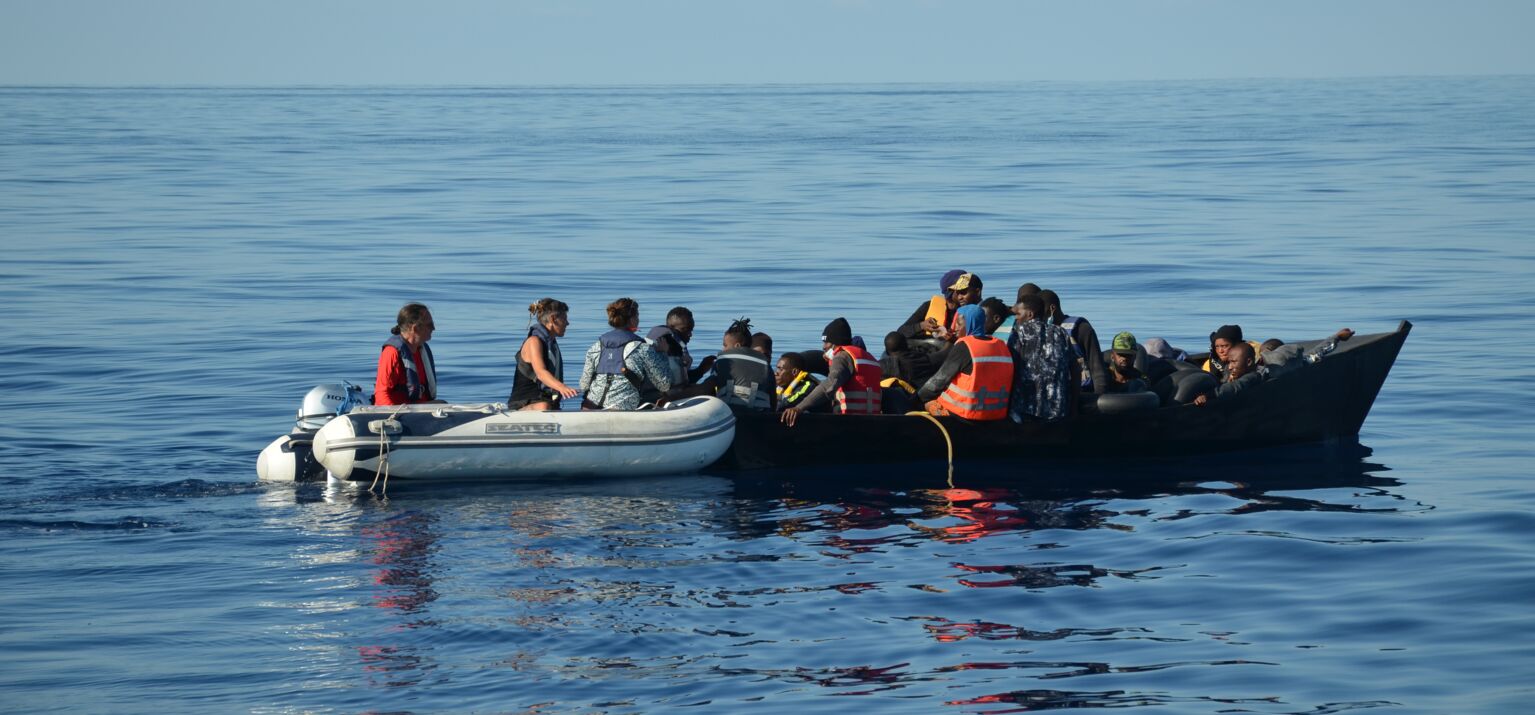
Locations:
column 180, row 265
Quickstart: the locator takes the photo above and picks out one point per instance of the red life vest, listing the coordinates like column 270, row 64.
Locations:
column 861, row 394
column 981, row 395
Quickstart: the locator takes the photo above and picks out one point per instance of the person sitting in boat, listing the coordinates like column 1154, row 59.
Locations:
column 935, row 318
column 763, row 344
column 1125, row 360
column 1241, row 374
column 1220, row 342
column 1005, row 328
column 1091, row 371
column 1042, row 359
column 913, row 367
column 671, row 341
column 1275, row 358
column 620, row 362
column 975, row 378
column 794, row 382
column 998, row 315
column 852, row 379
column 407, row 374
column 742, row 376
column 539, row 383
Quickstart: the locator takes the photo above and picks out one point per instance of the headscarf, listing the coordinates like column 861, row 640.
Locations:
column 974, row 320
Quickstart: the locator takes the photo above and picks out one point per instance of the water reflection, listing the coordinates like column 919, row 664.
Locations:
column 640, row 589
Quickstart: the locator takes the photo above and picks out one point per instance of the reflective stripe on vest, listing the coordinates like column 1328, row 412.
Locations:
column 860, row 394
column 981, row 395
column 416, row 389
column 1069, row 324
column 744, row 392
column 797, row 388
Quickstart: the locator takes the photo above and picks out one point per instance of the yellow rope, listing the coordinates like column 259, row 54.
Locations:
column 946, row 441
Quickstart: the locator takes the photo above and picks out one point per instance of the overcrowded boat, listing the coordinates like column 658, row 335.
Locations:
column 339, row 434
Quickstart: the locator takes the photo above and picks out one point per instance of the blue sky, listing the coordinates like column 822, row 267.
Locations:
column 114, row 42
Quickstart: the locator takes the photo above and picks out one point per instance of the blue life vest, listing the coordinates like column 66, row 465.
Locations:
column 416, row 389
column 611, row 360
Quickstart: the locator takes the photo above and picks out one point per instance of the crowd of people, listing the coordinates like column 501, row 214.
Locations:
column 957, row 354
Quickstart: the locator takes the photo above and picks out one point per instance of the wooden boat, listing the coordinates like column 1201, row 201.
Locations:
column 1321, row 402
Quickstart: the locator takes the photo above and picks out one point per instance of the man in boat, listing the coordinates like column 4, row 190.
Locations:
column 935, row 318
column 901, row 362
column 998, row 314
column 852, row 378
column 1275, row 358
column 407, row 374
column 1091, row 372
column 763, row 344
column 1005, row 328
column 1241, row 375
column 794, row 382
column 742, row 376
column 976, row 376
column 1125, row 360
column 1042, row 356
column 671, row 341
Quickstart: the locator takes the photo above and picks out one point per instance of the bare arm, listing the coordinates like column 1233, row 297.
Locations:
column 533, row 353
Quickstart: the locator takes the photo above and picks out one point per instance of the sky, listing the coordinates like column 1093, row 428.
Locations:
column 605, row 42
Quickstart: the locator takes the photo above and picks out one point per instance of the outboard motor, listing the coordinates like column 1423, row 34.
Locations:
column 291, row 457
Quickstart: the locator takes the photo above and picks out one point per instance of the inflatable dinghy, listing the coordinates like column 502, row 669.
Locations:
column 465, row 442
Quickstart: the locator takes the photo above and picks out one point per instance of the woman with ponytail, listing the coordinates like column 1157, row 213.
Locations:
column 406, row 372
column 540, row 380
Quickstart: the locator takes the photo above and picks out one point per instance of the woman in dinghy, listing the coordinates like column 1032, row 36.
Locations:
column 620, row 362
column 540, row 380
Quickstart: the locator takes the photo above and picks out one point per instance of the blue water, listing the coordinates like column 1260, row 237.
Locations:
column 180, row 266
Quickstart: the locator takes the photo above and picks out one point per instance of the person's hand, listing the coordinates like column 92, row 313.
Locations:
column 930, row 325
column 567, row 392
column 706, row 363
column 1202, row 400
column 789, row 416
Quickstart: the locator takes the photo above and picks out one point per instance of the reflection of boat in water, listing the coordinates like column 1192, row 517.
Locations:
column 1323, row 402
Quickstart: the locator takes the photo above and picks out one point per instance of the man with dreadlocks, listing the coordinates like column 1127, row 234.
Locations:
column 742, row 376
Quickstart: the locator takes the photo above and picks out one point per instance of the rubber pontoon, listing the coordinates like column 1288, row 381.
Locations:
column 1325, row 401
column 466, row 442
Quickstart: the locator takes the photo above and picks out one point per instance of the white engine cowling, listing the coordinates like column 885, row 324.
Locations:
column 326, row 401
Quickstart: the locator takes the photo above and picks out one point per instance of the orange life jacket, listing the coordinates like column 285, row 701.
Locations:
column 861, row 394
column 981, row 395
column 938, row 312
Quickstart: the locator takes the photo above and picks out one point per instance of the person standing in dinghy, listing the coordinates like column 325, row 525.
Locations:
column 620, row 363
column 540, row 380
column 407, row 374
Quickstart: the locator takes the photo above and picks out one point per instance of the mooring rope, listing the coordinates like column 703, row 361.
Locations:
column 946, row 440
column 383, row 453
